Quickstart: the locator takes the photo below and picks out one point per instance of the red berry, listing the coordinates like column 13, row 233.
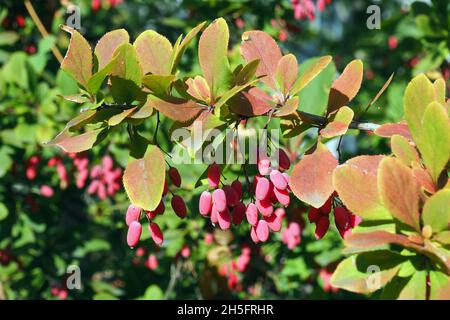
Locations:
column 282, row 196
column 166, row 189
column 262, row 230
column 278, row 180
column 224, row 219
column 156, row 233
column 219, row 200
column 355, row 220
column 152, row 262
column 262, row 188
column 205, row 203
column 264, row 165
column 174, row 176
column 341, row 218
column 313, row 215
column 178, row 206
column 231, row 196
column 264, row 207
column 213, row 175
column 253, row 235
column 47, row 191
column 133, row 214
column 134, row 233
column 20, row 20
column 284, row 161
column 322, row 226
column 252, row 214
column 160, row 208
column 237, row 186
column 214, row 214
column 326, row 208
column 238, row 213
column 185, row 251
column 274, row 222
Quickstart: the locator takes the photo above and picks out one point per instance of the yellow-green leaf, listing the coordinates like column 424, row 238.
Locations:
column 154, row 52
column 436, row 211
column 403, row 150
column 126, row 65
column 310, row 74
column 78, row 59
column 107, row 44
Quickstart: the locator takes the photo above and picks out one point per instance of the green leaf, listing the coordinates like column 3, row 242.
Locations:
column 107, row 44
column 232, row 92
column 126, row 65
column 78, row 59
column 154, row 52
column 434, row 144
column 439, row 90
column 153, row 292
column 158, row 84
column 143, row 179
column 246, row 73
column 439, row 286
column 356, row 273
column 15, row 70
column 213, row 57
column 95, row 82
column 415, row 289
column 436, row 211
column 313, row 71
column 118, row 118
column 3, row 211
column 418, row 95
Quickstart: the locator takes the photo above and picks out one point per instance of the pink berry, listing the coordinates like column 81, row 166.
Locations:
column 294, row 228
column 262, row 189
column 253, row 235
column 322, row 226
column 156, row 233
column 262, row 230
column 185, row 251
column 174, row 176
column 282, row 196
column 231, row 196
column 133, row 214
column 224, row 219
column 47, row 191
column 242, row 262
column 178, row 206
column 214, row 215
column 278, row 180
column 287, row 178
column 274, row 221
column 264, row 207
column 238, row 213
column 152, row 262
column 341, row 218
column 134, row 233
column 219, row 200
column 209, row 238
column 355, row 220
column 213, row 175
column 107, row 163
column 205, row 203
column 252, row 214
column 264, row 165
column 237, row 186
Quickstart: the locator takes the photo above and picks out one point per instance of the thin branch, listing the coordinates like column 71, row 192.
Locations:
column 41, row 28
column 320, row 121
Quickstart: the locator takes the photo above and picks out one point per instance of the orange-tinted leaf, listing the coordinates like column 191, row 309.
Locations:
column 143, row 179
column 403, row 150
column 339, row 124
column 367, row 240
column 213, row 57
column 356, row 183
column 199, row 89
column 399, row 191
column 107, row 45
column 424, row 179
column 259, row 45
column 345, row 88
column 154, row 52
column 254, row 102
column 176, row 109
column 79, row 143
column 290, row 106
column 389, row 129
column 78, row 59
column 311, row 179
column 310, row 74
column 286, row 72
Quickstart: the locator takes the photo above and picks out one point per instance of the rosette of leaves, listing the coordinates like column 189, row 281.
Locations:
column 403, row 244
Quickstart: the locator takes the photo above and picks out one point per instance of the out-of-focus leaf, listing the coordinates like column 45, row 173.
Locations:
column 3, row 211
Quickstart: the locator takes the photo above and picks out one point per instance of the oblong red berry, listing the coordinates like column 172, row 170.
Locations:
column 355, row 220
column 213, row 175
column 262, row 188
column 264, row 207
column 219, row 200
column 341, row 218
column 252, row 214
column 253, row 235
column 326, row 208
column 150, row 214
column 238, row 213
column 224, row 219
column 274, row 222
column 156, row 233
column 237, row 186
column 205, row 203
column 282, row 196
column 283, row 160
column 313, row 214
column 178, row 206
column 174, row 176
column 262, row 230
column 278, row 180
column 134, row 233
column 160, row 208
column 214, row 214
column 264, row 165
column 230, row 195
column 322, row 226
column 166, row 188
column 133, row 214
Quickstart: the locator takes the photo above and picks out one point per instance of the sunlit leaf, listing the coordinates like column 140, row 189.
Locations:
column 78, row 59
column 199, row 89
column 286, row 73
column 403, row 150
column 254, row 102
column 339, row 123
column 439, row 286
column 389, row 129
column 78, row 143
column 154, row 53
column 107, row 45
column 176, row 109
column 436, row 211
column 290, row 106
column 310, row 74
column 126, row 64
column 158, row 84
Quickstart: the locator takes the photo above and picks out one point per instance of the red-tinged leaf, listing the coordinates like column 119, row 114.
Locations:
column 107, row 45
column 311, row 179
column 199, row 89
column 180, row 46
column 78, row 59
column 339, row 123
column 389, row 129
column 345, row 88
column 254, row 102
column 404, row 150
column 259, row 45
column 213, row 57
column 286, row 73
column 418, row 95
column 309, row 75
column 368, row 240
column 356, row 183
column 126, row 65
column 79, row 143
column 399, row 191
column 176, row 109
column 154, row 53
column 424, row 179
column 290, row 106
column 143, row 179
